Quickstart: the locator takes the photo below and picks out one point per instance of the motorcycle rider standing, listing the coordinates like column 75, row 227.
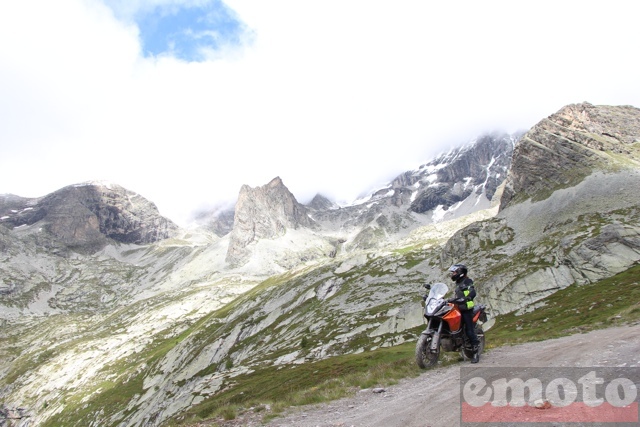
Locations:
column 464, row 295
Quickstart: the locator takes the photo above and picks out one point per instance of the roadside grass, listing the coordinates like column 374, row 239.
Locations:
column 283, row 387
column 577, row 309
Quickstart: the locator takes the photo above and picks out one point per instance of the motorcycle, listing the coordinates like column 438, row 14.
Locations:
column 445, row 328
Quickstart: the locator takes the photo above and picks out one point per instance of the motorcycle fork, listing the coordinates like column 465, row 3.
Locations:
column 435, row 340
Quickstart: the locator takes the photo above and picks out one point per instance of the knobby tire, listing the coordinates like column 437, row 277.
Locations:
column 424, row 358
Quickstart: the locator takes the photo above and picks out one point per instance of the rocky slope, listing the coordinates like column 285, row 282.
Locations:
column 570, row 209
column 134, row 334
column 476, row 169
column 565, row 148
column 55, row 249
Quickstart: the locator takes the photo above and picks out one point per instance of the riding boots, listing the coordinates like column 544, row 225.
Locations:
column 476, row 354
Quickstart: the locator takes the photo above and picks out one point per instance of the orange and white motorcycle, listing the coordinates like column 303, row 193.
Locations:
column 445, row 329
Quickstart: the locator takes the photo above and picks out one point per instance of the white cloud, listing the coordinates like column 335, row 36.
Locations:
column 332, row 96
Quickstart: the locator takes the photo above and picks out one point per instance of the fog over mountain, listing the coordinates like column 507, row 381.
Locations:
column 186, row 101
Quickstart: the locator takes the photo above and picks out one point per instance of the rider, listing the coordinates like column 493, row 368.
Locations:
column 464, row 295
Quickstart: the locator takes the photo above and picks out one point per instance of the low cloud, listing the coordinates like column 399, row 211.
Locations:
column 331, row 96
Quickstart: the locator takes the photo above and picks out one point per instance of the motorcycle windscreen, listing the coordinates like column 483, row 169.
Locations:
column 437, row 291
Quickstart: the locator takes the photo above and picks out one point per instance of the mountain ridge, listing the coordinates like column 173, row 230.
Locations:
column 83, row 216
column 166, row 326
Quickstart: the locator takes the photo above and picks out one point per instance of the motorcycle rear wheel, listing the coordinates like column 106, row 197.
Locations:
column 424, row 357
column 467, row 353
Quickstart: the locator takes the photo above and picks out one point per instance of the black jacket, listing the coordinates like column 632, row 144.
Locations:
column 465, row 292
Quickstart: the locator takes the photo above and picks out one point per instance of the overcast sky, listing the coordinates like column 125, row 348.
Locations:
column 184, row 101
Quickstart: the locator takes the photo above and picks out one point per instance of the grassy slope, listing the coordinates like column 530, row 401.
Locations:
column 576, row 309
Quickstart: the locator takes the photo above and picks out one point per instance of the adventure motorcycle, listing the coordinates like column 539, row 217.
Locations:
column 445, row 328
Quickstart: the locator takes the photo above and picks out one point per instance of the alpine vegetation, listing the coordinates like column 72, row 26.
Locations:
column 114, row 316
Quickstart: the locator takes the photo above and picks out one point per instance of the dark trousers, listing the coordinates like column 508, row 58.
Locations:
column 467, row 318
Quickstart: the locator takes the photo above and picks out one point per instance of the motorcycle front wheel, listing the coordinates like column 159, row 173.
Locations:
column 424, row 358
column 467, row 353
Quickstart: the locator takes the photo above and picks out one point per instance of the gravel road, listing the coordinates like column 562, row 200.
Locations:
column 433, row 398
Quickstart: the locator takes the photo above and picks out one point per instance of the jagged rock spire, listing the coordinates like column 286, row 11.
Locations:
column 263, row 213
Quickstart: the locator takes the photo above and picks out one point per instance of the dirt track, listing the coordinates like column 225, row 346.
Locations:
column 433, row 398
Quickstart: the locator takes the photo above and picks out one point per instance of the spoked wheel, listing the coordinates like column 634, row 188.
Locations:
column 424, row 358
column 468, row 353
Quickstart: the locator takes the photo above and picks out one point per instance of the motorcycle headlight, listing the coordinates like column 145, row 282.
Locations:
column 432, row 306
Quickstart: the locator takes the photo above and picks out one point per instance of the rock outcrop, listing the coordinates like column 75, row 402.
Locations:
column 563, row 149
column 263, row 213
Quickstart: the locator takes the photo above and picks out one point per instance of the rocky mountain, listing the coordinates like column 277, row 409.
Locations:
column 57, row 251
column 565, row 148
column 473, row 171
column 263, row 213
column 86, row 217
column 452, row 185
column 219, row 220
column 569, row 213
column 137, row 334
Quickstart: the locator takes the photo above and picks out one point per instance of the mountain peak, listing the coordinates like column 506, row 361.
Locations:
column 320, row 202
column 275, row 182
column 566, row 147
column 263, row 213
column 84, row 216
